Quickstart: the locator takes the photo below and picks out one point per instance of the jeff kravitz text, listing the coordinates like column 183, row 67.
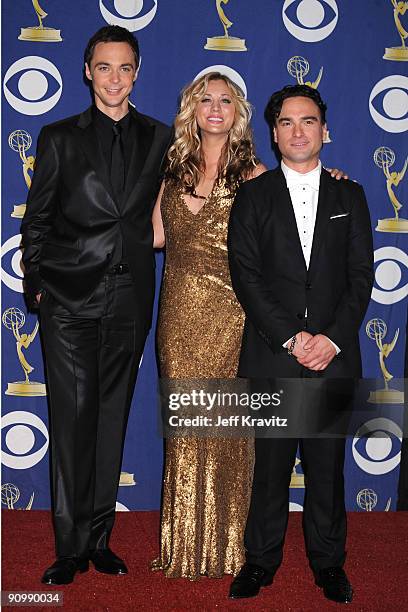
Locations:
column 232, row 421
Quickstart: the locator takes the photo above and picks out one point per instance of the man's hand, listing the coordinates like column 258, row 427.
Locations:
column 301, row 339
column 319, row 352
column 38, row 297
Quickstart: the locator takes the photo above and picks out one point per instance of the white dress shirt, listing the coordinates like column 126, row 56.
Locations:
column 304, row 194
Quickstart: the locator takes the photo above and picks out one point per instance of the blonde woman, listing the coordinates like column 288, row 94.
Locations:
column 207, row 481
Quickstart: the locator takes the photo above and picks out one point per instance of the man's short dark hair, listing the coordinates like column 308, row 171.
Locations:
column 111, row 33
column 274, row 106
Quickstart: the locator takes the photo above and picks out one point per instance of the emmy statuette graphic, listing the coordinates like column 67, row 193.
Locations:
column 298, row 67
column 367, row 500
column 226, row 42
column 20, row 141
column 376, row 329
column 398, row 54
column 10, row 494
column 40, row 33
column 14, row 320
column 384, row 158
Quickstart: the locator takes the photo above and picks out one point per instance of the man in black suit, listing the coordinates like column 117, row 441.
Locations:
column 89, row 266
column 301, row 256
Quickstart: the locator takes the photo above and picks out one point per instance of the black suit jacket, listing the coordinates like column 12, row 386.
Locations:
column 275, row 288
column 72, row 223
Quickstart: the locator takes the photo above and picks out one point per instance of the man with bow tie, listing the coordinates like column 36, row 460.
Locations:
column 301, row 259
column 89, row 268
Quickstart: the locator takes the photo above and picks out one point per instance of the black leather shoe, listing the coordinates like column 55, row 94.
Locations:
column 64, row 570
column 249, row 581
column 335, row 584
column 107, row 562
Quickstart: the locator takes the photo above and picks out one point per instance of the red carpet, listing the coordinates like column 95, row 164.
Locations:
column 377, row 566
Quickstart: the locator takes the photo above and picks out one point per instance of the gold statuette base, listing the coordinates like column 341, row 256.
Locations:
column 297, row 481
column 37, row 34
column 26, row 389
column 396, row 54
column 393, row 225
column 386, row 396
column 126, row 480
column 225, row 43
column 19, row 211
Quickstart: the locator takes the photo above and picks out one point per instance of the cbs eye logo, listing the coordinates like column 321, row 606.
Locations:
column 389, row 274
column 376, row 446
column 11, row 267
column 127, row 13
column 24, row 440
column 227, row 71
column 394, row 103
column 310, row 20
column 32, row 85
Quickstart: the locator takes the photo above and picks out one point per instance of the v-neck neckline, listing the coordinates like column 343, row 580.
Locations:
column 205, row 202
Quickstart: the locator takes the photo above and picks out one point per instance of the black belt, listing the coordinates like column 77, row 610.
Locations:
column 120, row 268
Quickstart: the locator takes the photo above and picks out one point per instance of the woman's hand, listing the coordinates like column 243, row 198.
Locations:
column 337, row 174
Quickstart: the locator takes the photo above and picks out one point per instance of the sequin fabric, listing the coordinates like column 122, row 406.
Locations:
column 207, row 481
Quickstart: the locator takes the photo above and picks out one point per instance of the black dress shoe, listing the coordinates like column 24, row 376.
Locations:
column 335, row 584
column 250, row 580
column 64, row 570
column 107, row 562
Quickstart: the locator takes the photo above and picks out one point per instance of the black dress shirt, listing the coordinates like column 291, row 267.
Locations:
column 104, row 125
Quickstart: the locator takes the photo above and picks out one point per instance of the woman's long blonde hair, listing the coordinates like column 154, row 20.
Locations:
column 185, row 163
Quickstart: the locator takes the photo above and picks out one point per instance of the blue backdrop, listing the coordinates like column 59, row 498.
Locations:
column 282, row 41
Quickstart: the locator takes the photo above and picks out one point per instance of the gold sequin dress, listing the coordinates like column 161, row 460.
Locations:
column 207, row 481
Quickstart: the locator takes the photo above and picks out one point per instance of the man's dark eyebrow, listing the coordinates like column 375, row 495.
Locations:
column 313, row 117
column 108, row 64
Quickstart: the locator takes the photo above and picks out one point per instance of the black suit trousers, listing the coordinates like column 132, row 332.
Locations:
column 92, row 361
column 320, row 404
column 324, row 516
